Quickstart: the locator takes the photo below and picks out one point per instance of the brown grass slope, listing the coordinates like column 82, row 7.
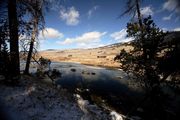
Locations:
column 102, row 56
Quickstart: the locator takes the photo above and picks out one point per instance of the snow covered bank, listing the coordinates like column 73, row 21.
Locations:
column 34, row 99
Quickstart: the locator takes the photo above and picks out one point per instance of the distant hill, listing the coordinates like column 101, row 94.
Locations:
column 101, row 56
column 50, row 50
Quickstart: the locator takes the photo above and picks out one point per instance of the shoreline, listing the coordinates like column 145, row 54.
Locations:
column 33, row 98
column 93, row 65
column 102, row 66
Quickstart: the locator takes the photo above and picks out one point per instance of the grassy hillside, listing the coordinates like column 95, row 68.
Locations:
column 102, row 56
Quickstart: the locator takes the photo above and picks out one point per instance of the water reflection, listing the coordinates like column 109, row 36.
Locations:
column 97, row 84
column 103, row 85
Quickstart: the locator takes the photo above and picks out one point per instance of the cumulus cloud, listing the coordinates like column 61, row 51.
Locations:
column 70, row 15
column 177, row 29
column 92, row 10
column 90, row 37
column 50, row 33
column 121, row 36
column 172, row 5
column 146, row 11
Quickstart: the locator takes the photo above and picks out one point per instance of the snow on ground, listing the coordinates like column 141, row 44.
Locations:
column 116, row 116
column 35, row 100
column 91, row 112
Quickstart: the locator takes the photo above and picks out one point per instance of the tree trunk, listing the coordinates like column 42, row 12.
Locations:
column 14, row 43
column 0, row 43
column 34, row 32
column 141, row 27
column 138, row 13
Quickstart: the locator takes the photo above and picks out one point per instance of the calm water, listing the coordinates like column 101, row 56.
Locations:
column 105, row 86
column 93, row 78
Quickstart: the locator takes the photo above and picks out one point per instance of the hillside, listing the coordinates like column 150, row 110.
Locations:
column 102, row 56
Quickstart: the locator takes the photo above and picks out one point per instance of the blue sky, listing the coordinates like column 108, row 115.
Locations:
column 94, row 23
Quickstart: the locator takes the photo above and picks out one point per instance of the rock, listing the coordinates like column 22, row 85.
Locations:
column 58, row 86
column 85, row 72
column 87, row 90
column 140, row 110
column 73, row 70
column 93, row 73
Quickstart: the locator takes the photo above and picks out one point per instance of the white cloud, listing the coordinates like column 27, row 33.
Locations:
column 50, row 33
column 169, row 5
column 121, row 36
column 164, row 29
column 172, row 5
column 70, row 15
column 146, row 11
column 177, row 29
column 90, row 45
column 92, row 10
column 167, row 17
column 90, row 37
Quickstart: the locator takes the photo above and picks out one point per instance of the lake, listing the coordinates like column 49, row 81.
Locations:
column 103, row 86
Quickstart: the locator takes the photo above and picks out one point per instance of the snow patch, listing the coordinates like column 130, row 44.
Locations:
column 91, row 112
column 115, row 116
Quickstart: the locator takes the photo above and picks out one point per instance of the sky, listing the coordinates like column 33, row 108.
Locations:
column 94, row 23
